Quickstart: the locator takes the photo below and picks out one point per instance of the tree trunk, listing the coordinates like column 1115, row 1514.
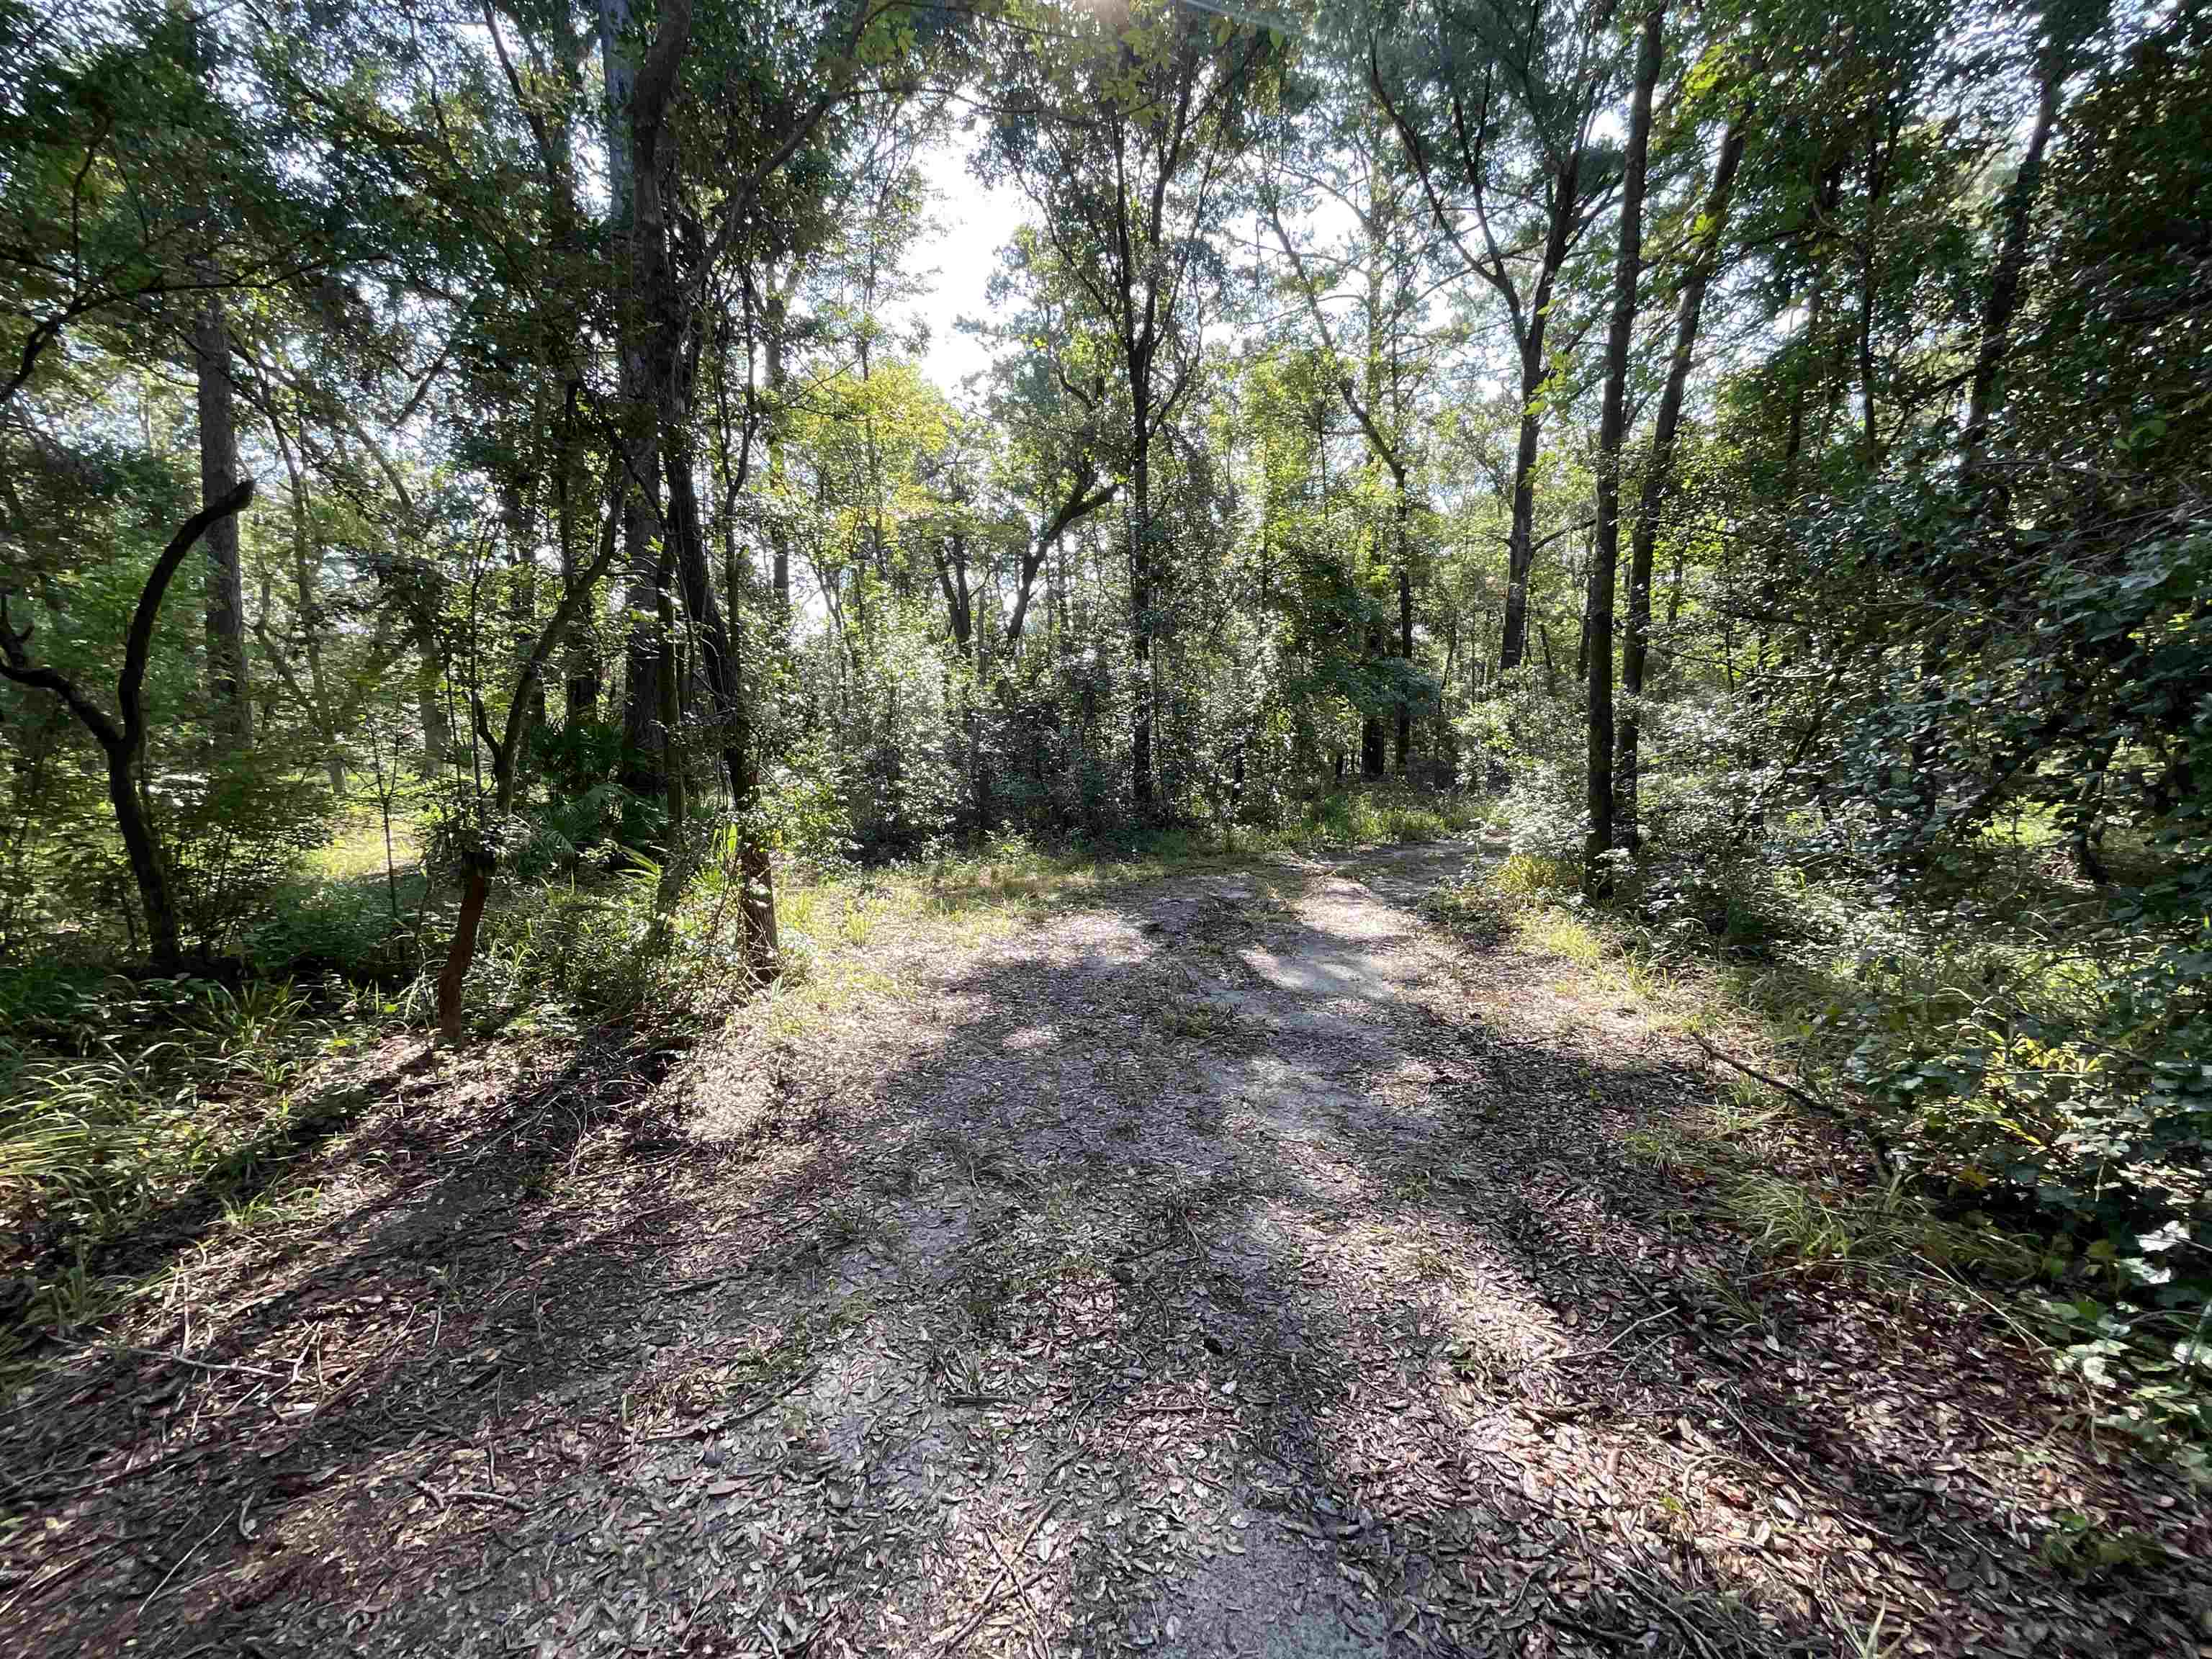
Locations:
column 1521, row 551
column 667, row 379
column 230, row 709
column 429, row 710
column 122, row 744
column 1658, row 478
column 579, row 690
column 1881, row 138
column 668, row 715
column 149, row 872
column 1140, row 618
column 1405, row 652
column 476, row 887
column 1373, row 762
column 1612, row 421
column 461, row 950
column 775, row 310
column 2012, row 254
column 643, row 739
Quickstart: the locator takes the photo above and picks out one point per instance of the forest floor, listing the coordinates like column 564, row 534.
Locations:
column 1234, row 1263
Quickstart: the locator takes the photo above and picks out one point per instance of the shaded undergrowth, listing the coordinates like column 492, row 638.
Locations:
column 1908, row 1096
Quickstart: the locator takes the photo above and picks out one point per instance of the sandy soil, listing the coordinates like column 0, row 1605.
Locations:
column 1237, row 1265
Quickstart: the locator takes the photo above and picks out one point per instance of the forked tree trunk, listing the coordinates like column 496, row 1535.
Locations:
column 122, row 744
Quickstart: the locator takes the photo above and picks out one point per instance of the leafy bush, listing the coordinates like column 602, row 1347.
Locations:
column 342, row 927
column 234, row 836
column 580, row 812
column 2026, row 1049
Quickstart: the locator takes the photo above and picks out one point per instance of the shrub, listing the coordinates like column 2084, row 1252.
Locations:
column 235, row 834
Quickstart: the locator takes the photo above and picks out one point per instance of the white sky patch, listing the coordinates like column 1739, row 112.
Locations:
column 957, row 256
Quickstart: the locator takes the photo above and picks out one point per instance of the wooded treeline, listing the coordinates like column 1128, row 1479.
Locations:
column 1752, row 435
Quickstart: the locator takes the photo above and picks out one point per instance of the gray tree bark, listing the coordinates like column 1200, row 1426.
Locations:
column 230, row 705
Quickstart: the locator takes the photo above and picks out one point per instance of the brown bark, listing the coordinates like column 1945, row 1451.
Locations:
column 476, row 887
column 1658, row 478
column 1612, row 421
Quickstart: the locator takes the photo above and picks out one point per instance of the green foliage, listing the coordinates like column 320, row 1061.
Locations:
column 1343, row 819
column 562, row 955
column 234, row 833
column 2091, row 1553
column 122, row 1101
column 342, row 927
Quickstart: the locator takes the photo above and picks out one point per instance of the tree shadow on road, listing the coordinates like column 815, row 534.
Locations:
column 1233, row 1266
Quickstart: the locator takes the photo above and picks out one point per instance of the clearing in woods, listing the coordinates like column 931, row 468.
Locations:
column 1237, row 1262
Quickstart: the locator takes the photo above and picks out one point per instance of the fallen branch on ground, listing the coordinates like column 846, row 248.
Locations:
column 1827, row 1109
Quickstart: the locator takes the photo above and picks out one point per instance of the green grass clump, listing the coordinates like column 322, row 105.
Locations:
column 123, row 1100
column 1371, row 816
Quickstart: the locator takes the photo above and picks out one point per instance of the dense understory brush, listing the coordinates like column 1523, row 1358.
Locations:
column 2031, row 1055
column 1390, row 815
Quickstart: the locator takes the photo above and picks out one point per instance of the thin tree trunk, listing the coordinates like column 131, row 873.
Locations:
column 1612, row 421
column 429, row 707
column 1880, row 137
column 579, row 690
column 1373, row 761
column 1658, row 479
column 476, row 888
column 1140, row 618
column 775, row 310
column 1404, row 639
column 1520, row 551
column 478, row 861
column 2012, row 254
column 122, row 744
column 230, row 702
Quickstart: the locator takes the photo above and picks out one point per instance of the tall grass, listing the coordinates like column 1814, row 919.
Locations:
column 121, row 1099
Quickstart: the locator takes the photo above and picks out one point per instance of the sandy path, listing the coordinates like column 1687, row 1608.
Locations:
column 1237, row 1266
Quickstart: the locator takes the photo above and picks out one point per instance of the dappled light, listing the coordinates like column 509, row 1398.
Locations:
column 1080, row 827
column 1104, row 1282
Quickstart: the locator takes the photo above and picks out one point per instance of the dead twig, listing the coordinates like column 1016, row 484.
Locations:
column 1767, row 1078
column 474, row 1494
column 202, row 1364
column 992, row 1596
column 1627, row 1332
column 180, row 1561
column 711, row 1424
column 1827, row 1109
column 1021, row 1589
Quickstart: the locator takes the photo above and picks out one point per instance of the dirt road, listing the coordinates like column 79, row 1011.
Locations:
column 1238, row 1264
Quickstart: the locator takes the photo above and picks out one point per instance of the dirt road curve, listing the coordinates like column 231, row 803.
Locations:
column 1241, row 1265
